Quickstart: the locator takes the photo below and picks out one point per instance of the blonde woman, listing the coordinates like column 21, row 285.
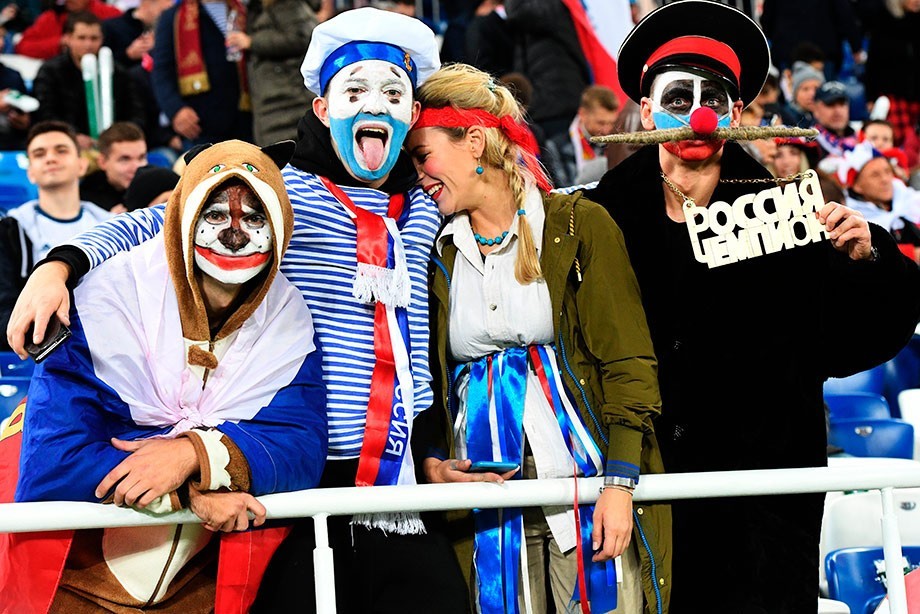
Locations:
column 544, row 367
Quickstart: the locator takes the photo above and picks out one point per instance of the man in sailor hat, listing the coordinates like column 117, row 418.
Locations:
column 363, row 232
column 743, row 348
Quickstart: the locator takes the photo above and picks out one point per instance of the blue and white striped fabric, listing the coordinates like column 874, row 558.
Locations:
column 574, row 188
column 321, row 262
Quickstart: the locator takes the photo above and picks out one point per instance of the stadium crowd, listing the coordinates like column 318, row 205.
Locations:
column 467, row 313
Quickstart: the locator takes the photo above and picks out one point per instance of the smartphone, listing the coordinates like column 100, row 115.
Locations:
column 55, row 334
column 492, row 467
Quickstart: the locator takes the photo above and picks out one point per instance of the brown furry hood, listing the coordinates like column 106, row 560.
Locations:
column 208, row 168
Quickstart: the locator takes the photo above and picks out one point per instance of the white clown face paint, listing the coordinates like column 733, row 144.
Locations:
column 233, row 239
column 676, row 95
column 370, row 110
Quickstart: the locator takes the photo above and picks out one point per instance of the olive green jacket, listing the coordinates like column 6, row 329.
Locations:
column 605, row 353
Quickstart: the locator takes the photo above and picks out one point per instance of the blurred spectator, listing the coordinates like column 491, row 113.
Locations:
column 151, row 185
column 550, row 55
column 597, row 113
column 130, row 36
column 805, row 83
column 29, row 231
column 762, row 150
column 893, row 66
column 489, row 40
column 832, row 119
column 202, row 95
column 769, row 97
column 793, row 155
column 629, row 120
column 873, row 190
column 122, row 150
column 43, row 38
column 278, row 35
column 825, row 23
column 880, row 134
column 59, row 82
column 14, row 123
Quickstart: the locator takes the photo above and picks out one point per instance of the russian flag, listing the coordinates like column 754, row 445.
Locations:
column 599, row 51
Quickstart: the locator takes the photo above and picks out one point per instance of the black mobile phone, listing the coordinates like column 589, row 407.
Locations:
column 55, row 334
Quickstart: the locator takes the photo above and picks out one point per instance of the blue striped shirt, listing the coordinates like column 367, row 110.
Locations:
column 321, row 261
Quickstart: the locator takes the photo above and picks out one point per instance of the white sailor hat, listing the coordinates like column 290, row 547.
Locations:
column 369, row 34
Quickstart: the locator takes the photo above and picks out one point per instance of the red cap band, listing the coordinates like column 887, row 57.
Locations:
column 699, row 46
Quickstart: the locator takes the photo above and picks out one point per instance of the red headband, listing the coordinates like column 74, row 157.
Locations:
column 517, row 133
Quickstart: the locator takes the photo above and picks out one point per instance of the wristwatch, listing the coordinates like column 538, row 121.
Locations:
column 616, row 480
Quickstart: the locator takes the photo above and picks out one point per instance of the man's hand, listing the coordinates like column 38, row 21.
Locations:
column 185, row 122
column 240, row 40
column 139, row 46
column 154, row 468
column 848, row 230
column 226, row 511
column 45, row 294
column 613, row 524
column 453, row 470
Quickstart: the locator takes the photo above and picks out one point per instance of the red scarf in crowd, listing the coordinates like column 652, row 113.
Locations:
column 190, row 66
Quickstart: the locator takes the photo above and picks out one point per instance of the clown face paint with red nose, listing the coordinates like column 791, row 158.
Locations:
column 233, row 240
column 675, row 95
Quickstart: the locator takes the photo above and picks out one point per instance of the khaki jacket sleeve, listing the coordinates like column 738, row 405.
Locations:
column 616, row 335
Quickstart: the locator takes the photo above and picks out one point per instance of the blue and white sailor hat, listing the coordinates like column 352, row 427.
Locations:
column 369, row 34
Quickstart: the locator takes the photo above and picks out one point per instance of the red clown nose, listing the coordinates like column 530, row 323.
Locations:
column 704, row 121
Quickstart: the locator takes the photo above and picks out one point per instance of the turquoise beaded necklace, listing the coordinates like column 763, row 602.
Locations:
column 495, row 240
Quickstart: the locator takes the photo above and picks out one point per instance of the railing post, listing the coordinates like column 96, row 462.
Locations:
column 891, row 541
column 323, row 567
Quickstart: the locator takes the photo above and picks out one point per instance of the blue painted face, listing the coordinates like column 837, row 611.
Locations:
column 676, row 94
column 370, row 109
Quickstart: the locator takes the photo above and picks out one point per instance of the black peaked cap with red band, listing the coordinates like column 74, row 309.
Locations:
column 700, row 34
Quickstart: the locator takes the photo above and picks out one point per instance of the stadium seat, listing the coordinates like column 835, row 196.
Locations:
column 15, row 187
column 902, row 373
column 854, row 576
column 13, row 366
column 867, row 437
column 909, row 402
column 857, row 405
column 872, row 381
column 12, row 391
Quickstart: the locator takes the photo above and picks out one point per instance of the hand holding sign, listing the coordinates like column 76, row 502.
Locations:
column 847, row 230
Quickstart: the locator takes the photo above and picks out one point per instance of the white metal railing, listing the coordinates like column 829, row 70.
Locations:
column 843, row 474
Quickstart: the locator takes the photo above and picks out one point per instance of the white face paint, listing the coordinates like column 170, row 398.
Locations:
column 676, row 94
column 370, row 109
column 233, row 240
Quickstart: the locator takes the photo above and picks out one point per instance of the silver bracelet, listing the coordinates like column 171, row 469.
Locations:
column 616, row 480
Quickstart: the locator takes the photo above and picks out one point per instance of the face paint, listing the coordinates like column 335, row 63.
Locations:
column 675, row 96
column 370, row 108
column 233, row 240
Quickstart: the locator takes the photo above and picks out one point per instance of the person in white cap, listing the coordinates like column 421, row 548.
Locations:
column 363, row 232
column 744, row 347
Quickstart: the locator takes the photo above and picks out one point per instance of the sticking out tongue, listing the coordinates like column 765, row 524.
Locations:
column 372, row 149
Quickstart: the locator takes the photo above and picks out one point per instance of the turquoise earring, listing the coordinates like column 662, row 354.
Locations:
column 479, row 169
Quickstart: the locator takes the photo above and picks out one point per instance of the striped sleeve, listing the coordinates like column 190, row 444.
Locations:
column 120, row 234
column 574, row 188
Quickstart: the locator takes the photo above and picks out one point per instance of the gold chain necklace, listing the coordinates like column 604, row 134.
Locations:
column 690, row 202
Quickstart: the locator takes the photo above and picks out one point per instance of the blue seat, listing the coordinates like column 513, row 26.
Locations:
column 15, row 187
column 868, row 437
column 872, row 381
column 857, row 405
column 902, row 373
column 12, row 391
column 13, row 366
column 854, row 578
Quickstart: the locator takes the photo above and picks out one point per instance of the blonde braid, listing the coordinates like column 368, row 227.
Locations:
column 527, row 265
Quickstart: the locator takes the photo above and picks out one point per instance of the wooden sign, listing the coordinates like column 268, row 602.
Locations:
column 781, row 217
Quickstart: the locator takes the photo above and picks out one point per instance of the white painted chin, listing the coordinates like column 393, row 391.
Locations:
column 233, row 277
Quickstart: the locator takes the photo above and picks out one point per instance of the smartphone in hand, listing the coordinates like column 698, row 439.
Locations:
column 55, row 334
column 492, row 467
